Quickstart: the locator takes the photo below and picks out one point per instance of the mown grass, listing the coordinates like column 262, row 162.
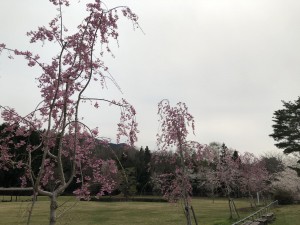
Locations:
column 133, row 213
column 289, row 214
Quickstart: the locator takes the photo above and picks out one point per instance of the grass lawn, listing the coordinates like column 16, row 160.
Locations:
column 289, row 214
column 133, row 213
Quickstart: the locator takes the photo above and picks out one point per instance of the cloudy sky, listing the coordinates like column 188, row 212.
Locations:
column 230, row 61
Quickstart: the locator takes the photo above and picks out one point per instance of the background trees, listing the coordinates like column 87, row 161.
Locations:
column 254, row 177
column 285, row 184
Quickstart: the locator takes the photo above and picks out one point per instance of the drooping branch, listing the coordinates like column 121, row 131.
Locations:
column 63, row 151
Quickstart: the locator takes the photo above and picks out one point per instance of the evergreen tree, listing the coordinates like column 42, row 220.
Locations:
column 286, row 127
column 223, row 153
column 235, row 155
column 147, row 155
column 143, row 173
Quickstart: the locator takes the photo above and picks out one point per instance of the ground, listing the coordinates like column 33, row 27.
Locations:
column 134, row 213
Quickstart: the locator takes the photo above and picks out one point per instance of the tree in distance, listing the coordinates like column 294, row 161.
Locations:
column 175, row 125
column 286, row 129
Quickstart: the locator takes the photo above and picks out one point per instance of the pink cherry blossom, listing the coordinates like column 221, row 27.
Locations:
column 64, row 82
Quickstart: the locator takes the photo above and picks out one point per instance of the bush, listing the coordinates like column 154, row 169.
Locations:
column 284, row 197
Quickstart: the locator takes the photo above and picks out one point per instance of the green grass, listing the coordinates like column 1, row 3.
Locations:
column 289, row 214
column 133, row 213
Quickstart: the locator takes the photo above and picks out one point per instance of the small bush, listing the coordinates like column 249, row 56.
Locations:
column 284, row 197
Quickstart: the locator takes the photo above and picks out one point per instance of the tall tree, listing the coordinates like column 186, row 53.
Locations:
column 64, row 83
column 176, row 123
column 228, row 174
column 286, row 130
column 143, row 158
column 286, row 127
column 254, row 175
column 147, row 185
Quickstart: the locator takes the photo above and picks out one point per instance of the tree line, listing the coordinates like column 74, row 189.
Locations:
column 221, row 172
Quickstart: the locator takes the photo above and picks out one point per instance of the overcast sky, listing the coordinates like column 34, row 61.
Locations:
column 230, row 61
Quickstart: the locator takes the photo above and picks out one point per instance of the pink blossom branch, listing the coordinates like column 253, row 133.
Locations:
column 26, row 54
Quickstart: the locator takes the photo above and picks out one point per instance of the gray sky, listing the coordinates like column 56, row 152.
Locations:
column 230, row 61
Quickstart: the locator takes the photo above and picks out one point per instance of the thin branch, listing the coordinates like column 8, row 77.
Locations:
column 61, row 24
column 105, row 100
column 30, row 57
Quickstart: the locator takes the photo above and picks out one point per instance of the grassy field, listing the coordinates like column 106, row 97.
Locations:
column 289, row 214
column 133, row 213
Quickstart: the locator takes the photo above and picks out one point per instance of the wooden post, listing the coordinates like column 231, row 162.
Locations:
column 229, row 204
column 194, row 215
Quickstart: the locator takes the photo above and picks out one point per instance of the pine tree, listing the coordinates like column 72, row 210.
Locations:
column 286, row 127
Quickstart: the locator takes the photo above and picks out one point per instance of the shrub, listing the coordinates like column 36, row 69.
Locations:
column 284, row 197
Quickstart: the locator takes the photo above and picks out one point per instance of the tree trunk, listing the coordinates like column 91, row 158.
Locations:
column 53, row 207
column 230, row 208
column 194, row 215
column 187, row 212
column 34, row 196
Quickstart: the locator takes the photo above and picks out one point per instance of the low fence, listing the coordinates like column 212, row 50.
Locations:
column 16, row 192
column 258, row 214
